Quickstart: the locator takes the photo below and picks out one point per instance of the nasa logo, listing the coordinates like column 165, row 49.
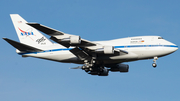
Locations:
column 24, row 33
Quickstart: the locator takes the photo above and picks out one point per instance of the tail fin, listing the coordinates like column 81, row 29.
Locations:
column 27, row 34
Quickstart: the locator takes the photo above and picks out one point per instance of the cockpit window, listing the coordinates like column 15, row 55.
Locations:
column 160, row 38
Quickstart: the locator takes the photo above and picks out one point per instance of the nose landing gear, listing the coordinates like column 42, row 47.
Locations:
column 154, row 64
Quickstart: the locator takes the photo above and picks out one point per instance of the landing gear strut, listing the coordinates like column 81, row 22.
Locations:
column 154, row 64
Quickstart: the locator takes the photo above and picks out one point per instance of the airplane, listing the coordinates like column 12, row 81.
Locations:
column 95, row 57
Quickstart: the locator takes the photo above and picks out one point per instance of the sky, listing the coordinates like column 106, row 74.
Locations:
column 32, row 79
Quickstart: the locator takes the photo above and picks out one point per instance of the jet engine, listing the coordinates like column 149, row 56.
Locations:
column 105, row 50
column 72, row 40
column 104, row 72
column 120, row 67
column 99, row 72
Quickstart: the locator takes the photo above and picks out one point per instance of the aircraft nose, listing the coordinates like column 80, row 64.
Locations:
column 174, row 48
column 170, row 48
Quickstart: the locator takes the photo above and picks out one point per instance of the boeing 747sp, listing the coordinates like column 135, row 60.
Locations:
column 97, row 57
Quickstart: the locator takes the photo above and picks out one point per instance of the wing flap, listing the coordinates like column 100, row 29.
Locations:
column 80, row 54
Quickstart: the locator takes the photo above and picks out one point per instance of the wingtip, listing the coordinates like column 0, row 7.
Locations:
column 4, row 38
column 33, row 23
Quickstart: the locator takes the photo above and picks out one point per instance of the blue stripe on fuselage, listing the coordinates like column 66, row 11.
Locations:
column 130, row 46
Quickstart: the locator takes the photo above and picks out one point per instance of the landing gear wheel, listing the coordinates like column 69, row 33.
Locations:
column 90, row 69
column 154, row 65
column 86, row 69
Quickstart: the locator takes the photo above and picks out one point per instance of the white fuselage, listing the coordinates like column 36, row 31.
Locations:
column 141, row 47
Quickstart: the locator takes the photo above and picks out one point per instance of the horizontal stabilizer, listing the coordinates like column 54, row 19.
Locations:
column 22, row 47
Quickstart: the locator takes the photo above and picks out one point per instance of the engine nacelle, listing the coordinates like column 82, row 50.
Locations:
column 72, row 40
column 104, row 72
column 120, row 67
column 75, row 39
column 106, row 50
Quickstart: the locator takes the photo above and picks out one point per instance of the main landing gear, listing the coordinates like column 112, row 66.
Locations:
column 154, row 64
column 88, row 65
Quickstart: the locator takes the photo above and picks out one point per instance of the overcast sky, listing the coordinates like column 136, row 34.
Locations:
column 31, row 79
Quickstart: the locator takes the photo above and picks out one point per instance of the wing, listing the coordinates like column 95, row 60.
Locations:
column 64, row 39
column 84, row 49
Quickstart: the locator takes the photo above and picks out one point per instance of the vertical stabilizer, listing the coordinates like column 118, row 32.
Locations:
column 27, row 34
